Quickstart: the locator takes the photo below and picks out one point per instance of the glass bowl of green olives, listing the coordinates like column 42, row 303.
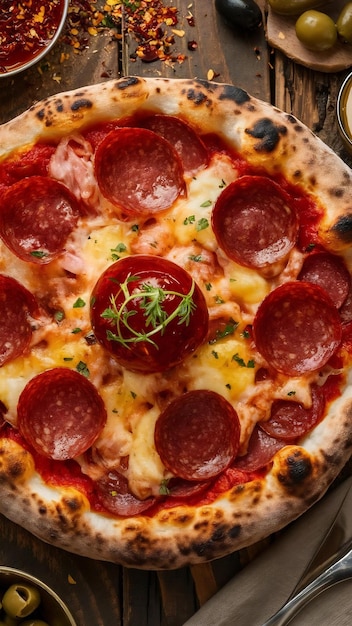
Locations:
column 27, row 601
column 344, row 112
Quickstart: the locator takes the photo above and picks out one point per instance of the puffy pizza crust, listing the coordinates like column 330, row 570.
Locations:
column 299, row 475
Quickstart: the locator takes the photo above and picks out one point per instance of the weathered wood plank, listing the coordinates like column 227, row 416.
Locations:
column 234, row 57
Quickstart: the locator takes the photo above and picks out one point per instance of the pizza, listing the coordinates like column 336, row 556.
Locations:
column 175, row 320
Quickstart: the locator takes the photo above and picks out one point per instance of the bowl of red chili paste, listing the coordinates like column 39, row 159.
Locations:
column 28, row 30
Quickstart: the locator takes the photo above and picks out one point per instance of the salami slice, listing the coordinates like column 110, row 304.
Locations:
column 60, row 413
column 197, row 436
column 187, row 143
column 113, row 493
column 261, row 449
column 17, row 306
column 297, row 328
column 138, row 171
column 330, row 272
column 254, row 221
column 290, row 420
column 37, row 215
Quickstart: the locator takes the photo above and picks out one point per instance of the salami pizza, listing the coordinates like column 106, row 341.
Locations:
column 175, row 320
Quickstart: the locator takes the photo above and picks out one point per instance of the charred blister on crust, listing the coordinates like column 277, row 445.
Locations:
column 197, row 97
column 82, row 103
column 293, row 467
column 268, row 132
column 234, row 94
column 343, row 228
column 128, row 81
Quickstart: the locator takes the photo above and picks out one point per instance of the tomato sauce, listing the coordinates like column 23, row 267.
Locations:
column 26, row 27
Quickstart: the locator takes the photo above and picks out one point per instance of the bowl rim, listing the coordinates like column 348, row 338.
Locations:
column 31, row 579
column 342, row 127
column 45, row 50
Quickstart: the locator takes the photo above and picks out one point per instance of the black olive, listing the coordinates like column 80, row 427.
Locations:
column 243, row 14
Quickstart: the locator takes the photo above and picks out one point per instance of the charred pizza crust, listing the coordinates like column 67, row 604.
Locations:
column 299, row 475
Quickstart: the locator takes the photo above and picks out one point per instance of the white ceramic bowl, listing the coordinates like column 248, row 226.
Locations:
column 9, row 68
column 52, row 609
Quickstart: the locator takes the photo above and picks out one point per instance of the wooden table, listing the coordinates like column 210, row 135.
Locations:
column 104, row 594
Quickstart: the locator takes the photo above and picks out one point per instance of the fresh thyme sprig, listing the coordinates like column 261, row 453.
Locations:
column 151, row 300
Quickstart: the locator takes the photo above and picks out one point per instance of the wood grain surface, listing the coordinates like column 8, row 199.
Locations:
column 104, row 594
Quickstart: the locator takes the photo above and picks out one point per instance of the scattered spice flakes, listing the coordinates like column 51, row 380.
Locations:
column 152, row 25
column 84, row 20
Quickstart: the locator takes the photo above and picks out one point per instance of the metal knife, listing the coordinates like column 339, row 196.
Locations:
column 268, row 582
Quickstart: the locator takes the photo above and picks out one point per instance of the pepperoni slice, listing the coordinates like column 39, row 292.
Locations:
column 254, row 221
column 297, row 328
column 180, row 488
column 113, row 493
column 185, row 140
column 261, row 449
column 346, row 309
column 37, row 215
column 60, row 413
column 290, row 420
column 138, row 171
column 17, row 305
column 197, row 436
column 330, row 272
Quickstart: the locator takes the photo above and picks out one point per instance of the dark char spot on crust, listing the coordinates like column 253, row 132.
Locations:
column 343, row 228
column 129, row 81
column 82, row 103
column 268, row 132
column 235, row 94
column 196, row 96
column 298, row 469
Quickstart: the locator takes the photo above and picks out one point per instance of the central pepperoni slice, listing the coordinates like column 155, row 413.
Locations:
column 37, row 215
column 297, row 328
column 60, row 413
column 138, row 171
column 254, row 221
column 197, row 436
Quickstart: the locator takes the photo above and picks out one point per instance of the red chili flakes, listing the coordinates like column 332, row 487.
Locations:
column 151, row 24
column 84, row 19
column 26, row 27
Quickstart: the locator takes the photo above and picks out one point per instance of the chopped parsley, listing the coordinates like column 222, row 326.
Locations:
column 79, row 304
column 202, row 224
column 250, row 364
column 82, row 368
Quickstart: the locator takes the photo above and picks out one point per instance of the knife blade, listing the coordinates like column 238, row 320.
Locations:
column 263, row 586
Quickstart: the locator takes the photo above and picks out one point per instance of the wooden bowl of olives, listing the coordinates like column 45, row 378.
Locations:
column 344, row 112
column 27, row 601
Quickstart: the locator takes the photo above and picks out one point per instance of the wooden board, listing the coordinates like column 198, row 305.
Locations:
column 282, row 35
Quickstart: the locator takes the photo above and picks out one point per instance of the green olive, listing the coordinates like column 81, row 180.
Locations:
column 20, row 600
column 33, row 622
column 316, row 31
column 344, row 23
column 9, row 621
column 293, row 7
